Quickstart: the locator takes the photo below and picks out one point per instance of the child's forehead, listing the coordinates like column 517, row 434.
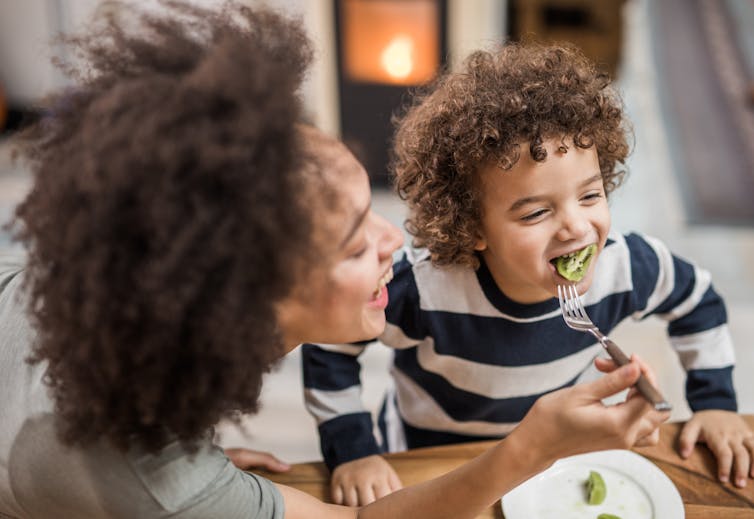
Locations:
column 516, row 170
column 526, row 150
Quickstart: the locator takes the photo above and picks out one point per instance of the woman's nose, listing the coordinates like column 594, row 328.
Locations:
column 390, row 237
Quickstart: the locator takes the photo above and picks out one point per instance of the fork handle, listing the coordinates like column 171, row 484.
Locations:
column 645, row 387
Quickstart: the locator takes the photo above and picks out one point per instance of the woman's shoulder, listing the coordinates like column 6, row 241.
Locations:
column 100, row 480
column 12, row 262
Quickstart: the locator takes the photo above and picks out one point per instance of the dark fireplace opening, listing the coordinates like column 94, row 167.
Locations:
column 385, row 48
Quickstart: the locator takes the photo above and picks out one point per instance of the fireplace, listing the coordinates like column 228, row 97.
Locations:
column 385, row 48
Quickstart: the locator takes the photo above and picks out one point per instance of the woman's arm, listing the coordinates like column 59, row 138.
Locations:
column 562, row 423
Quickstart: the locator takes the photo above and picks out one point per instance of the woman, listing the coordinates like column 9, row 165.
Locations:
column 183, row 232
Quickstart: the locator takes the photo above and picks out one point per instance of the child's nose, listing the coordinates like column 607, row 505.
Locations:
column 573, row 226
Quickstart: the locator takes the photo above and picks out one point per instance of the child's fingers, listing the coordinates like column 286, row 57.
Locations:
column 394, row 481
column 380, row 489
column 741, row 464
column 724, row 456
column 350, row 496
column 366, row 494
column 749, row 443
column 337, row 494
column 688, row 438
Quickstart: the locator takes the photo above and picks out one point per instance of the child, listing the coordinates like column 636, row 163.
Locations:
column 506, row 166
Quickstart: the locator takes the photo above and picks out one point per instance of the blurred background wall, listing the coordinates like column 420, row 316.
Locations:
column 334, row 97
column 372, row 53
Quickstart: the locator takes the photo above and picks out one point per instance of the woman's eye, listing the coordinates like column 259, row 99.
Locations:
column 359, row 253
column 533, row 216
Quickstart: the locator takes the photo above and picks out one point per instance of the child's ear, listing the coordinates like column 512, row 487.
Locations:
column 480, row 244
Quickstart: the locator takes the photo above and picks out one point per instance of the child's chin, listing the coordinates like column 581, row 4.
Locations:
column 581, row 286
column 586, row 282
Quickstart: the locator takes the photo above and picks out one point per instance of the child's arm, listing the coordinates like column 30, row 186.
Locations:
column 682, row 294
column 729, row 438
column 333, row 396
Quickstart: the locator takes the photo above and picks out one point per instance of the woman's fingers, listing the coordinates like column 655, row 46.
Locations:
column 651, row 439
column 645, row 369
column 614, row 382
column 249, row 459
column 605, row 365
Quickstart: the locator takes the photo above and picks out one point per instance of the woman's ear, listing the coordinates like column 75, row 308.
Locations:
column 480, row 244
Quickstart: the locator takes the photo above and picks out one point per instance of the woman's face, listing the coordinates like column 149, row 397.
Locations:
column 344, row 298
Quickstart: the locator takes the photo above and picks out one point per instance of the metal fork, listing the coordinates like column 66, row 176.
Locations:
column 575, row 317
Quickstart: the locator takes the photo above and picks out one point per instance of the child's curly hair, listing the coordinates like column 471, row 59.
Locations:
column 167, row 218
column 480, row 115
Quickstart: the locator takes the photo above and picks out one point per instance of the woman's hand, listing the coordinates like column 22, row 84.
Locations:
column 562, row 423
column 574, row 420
column 246, row 459
column 606, row 365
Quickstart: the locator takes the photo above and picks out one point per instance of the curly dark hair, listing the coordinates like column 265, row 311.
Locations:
column 167, row 218
column 521, row 93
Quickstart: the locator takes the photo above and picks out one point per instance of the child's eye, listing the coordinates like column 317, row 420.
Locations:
column 593, row 196
column 533, row 216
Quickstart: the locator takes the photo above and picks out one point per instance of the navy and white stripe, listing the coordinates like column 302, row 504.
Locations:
column 469, row 362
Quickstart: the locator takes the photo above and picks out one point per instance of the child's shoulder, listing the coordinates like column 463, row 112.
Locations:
column 417, row 263
column 633, row 240
column 420, row 259
column 410, row 256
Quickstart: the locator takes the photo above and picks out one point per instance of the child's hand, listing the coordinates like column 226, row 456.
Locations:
column 246, row 459
column 361, row 481
column 728, row 437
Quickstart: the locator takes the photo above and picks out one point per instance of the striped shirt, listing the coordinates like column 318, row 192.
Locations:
column 469, row 362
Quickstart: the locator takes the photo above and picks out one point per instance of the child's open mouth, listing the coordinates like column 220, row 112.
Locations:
column 574, row 266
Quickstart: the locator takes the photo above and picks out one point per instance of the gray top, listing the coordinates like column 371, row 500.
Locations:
column 41, row 477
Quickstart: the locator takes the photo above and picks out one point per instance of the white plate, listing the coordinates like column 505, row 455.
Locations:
column 636, row 489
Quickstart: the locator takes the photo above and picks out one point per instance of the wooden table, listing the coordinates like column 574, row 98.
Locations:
column 703, row 496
